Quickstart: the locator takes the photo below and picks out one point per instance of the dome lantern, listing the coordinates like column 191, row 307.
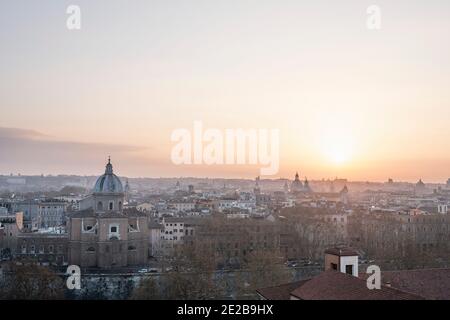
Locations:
column 108, row 182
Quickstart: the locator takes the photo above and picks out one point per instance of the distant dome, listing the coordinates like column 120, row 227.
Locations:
column 109, row 182
column 297, row 185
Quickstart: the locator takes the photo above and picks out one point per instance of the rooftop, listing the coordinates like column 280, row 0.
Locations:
column 334, row 285
column 281, row 292
column 430, row 283
column 342, row 251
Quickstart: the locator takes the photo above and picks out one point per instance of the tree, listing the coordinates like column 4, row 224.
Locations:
column 264, row 268
column 148, row 289
column 31, row 282
column 193, row 274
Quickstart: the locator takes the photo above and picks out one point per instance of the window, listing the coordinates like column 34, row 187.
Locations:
column 90, row 249
column 349, row 269
column 50, row 249
column 131, row 248
column 334, row 266
column 99, row 205
column 113, row 229
column 24, row 249
column 111, row 206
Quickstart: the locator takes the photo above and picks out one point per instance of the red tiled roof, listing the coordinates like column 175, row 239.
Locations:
column 334, row 285
column 429, row 283
column 281, row 292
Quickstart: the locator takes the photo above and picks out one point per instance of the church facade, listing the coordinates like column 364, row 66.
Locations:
column 104, row 235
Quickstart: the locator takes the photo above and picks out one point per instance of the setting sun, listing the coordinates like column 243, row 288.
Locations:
column 338, row 155
column 337, row 150
column 336, row 142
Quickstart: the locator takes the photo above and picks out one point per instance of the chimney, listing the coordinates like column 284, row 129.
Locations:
column 342, row 259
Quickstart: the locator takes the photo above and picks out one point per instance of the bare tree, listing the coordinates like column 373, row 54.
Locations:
column 263, row 269
column 31, row 282
column 148, row 289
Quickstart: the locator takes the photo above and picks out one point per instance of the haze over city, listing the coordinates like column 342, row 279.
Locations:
column 349, row 102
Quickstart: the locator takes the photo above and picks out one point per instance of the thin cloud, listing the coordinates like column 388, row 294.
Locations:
column 29, row 151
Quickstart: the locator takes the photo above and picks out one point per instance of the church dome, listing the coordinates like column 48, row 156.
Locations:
column 296, row 185
column 420, row 183
column 109, row 182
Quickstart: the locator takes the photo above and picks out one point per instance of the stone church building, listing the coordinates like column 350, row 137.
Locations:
column 102, row 234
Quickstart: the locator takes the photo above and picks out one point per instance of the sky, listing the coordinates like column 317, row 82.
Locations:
column 348, row 101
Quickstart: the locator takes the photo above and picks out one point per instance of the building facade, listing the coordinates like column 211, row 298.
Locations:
column 103, row 235
column 51, row 214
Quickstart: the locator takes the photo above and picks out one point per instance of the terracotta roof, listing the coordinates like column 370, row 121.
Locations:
column 334, row 285
column 281, row 292
column 429, row 283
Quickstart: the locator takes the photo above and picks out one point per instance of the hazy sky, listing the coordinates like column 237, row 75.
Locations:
column 377, row 101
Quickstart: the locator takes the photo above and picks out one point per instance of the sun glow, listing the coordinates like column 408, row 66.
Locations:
column 337, row 145
column 338, row 154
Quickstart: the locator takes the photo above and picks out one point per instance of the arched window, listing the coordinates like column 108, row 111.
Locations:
column 111, row 205
column 99, row 205
column 120, row 205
